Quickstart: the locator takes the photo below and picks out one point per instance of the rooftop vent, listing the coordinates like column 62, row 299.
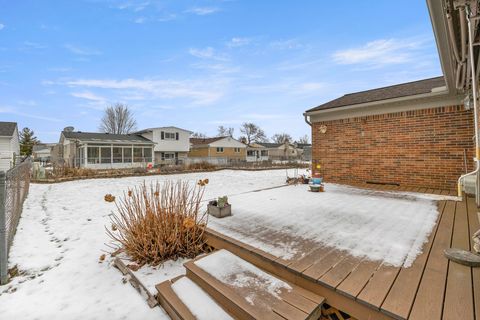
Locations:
column 68, row 129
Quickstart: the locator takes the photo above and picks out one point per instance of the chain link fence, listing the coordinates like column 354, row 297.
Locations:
column 14, row 185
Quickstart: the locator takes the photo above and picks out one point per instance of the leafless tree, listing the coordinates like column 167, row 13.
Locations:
column 199, row 135
column 118, row 119
column 225, row 132
column 252, row 133
column 281, row 137
column 304, row 139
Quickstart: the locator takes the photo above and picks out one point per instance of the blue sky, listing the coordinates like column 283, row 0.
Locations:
column 201, row 64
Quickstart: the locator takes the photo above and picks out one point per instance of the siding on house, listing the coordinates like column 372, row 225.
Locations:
column 9, row 149
column 421, row 148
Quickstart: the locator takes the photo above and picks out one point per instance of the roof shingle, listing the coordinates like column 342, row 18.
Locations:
column 385, row 93
column 7, row 128
column 200, row 141
column 107, row 137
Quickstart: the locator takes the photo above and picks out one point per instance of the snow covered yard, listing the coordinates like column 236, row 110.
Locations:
column 61, row 236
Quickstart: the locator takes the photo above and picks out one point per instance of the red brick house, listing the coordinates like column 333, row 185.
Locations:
column 413, row 134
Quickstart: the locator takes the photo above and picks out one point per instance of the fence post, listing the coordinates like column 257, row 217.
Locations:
column 3, row 231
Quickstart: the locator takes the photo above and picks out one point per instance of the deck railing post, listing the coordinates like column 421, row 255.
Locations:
column 3, row 231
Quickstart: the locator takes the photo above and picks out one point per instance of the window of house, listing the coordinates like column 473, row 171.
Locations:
column 93, row 155
column 169, row 135
column 264, row 153
column 117, row 155
column 137, row 154
column 237, row 150
column 168, row 155
column 127, row 154
column 106, row 155
column 250, row 153
column 147, row 154
column 219, row 149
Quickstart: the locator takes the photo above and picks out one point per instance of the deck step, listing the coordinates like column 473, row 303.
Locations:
column 184, row 300
column 248, row 292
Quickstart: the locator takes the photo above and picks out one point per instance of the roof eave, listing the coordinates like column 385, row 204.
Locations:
column 439, row 25
column 379, row 102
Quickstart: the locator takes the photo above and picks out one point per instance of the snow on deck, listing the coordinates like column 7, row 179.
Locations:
column 255, row 285
column 61, row 236
column 289, row 221
column 200, row 304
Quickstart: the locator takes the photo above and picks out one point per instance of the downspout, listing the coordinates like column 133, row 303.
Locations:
column 307, row 120
column 475, row 106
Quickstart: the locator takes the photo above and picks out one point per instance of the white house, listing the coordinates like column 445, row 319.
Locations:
column 105, row 151
column 171, row 143
column 9, row 145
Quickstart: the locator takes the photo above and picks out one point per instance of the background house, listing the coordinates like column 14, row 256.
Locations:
column 257, row 153
column 281, row 151
column 9, row 145
column 304, row 151
column 171, row 143
column 218, row 150
column 105, row 151
column 43, row 152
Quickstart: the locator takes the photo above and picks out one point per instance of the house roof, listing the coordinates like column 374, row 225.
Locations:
column 7, row 128
column 303, row 145
column 385, row 93
column 270, row 144
column 105, row 137
column 168, row 127
column 201, row 141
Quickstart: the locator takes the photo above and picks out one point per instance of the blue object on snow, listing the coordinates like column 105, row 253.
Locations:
column 317, row 180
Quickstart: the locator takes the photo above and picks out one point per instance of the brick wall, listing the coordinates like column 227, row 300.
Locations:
column 421, row 148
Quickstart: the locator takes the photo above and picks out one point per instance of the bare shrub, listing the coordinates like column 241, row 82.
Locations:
column 204, row 165
column 160, row 222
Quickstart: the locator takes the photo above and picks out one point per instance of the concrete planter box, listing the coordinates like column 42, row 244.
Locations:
column 219, row 212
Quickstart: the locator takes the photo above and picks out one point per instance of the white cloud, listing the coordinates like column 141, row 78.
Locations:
column 207, row 53
column 2, row 26
column 88, row 96
column 238, row 42
column 14, row 111
column 286, row 44
column 167, row 17
column 133, row 5
column 380, row 52
column 140, row 20
column 33, row 45
column 82, row 51
column 202, row 11
column 199, row 92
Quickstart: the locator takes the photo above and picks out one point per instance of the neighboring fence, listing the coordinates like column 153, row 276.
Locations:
column 14, row 185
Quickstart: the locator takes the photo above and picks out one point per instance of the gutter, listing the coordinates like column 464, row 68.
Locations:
column 475, row 108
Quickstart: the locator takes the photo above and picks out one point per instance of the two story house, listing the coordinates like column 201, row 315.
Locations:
column 171, row 144
column 217, row 150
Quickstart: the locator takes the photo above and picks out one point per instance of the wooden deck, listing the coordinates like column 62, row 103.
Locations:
column 432, row 288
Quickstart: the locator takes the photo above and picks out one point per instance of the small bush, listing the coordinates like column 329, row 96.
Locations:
column 160, row 222
column 204, row 165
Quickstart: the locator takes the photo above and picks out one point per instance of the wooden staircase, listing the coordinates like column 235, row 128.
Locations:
column 249, row 293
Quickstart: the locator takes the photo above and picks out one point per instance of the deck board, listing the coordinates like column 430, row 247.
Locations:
column 459, row 292
column 400, row 298
column 474, row 226
column 428, row 303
